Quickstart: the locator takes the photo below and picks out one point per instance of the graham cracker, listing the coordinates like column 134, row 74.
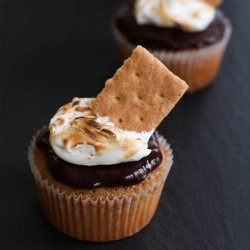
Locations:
column 141, row 93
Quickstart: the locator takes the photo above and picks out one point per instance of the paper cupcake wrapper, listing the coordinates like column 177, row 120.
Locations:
column 98, row 220
column 198, row 67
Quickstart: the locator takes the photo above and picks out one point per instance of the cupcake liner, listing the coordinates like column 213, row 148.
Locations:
column 98, row 219
column 198, row 67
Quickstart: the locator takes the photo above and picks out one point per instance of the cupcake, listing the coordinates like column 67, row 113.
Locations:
column 100, row 166
column 188, row 36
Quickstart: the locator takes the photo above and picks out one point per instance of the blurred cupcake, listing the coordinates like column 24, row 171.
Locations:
column 188, row 36
column 98, row 169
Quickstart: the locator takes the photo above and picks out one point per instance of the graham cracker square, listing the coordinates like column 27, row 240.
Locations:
column 141, row 93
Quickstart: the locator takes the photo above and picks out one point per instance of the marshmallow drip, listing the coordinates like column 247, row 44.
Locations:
column 79, row 136
column 189, row 15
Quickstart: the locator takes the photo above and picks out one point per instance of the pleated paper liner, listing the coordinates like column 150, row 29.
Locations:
column 198, row 67
column 100, row 215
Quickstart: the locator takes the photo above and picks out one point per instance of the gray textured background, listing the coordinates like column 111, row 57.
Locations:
column 52, row 51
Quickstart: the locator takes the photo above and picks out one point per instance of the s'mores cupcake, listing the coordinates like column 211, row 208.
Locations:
column 101, row 166
column 188, row 36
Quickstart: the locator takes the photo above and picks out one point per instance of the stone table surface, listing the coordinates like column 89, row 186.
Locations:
column 52, row 51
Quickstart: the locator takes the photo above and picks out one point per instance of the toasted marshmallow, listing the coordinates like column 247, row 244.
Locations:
column 79, row 136
column 189, row 15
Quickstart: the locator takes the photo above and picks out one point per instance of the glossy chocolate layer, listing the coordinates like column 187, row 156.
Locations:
column 90, row 177
column 153, row 37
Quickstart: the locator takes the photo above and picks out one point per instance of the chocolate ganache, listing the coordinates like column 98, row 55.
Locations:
column 153, row 37
column 90, row 177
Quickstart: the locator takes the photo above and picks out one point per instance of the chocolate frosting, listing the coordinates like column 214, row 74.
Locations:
column 90, row 177
column 153, row 37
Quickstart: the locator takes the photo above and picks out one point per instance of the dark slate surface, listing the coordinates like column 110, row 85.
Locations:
column 55, row 50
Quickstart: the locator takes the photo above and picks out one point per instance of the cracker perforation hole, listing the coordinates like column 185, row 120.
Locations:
column 118, row 98
column 139, row 97
column 161, row 95
column 120, row 120
column 141, row 118
column 137, row 74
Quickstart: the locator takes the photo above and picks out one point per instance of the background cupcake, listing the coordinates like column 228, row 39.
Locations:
column 189, row 37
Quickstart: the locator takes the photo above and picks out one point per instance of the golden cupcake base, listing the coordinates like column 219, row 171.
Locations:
column 102, row 214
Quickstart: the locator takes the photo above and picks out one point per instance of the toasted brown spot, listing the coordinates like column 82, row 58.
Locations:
column 79, row 117
column 91, row 134
column 76, row 103
column 78, row 143
column 93, row 124
column 60, row 121
column 66, row 108
column 109, row 132
column 82, row 109
column 52, row 128
column 196, row 14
